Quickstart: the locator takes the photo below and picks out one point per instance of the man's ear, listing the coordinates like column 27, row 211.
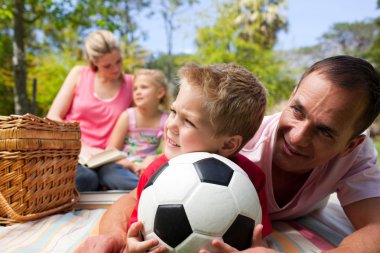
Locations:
column 352, row 144
column 231, row 145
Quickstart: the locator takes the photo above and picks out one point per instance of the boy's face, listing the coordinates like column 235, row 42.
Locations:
column 188, row 127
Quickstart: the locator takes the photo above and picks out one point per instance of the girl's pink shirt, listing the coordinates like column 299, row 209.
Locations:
column 97, row 117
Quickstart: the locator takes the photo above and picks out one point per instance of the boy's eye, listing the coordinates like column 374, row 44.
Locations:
column 189, row 122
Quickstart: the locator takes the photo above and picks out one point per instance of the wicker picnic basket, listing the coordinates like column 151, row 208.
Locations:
column 38, row 160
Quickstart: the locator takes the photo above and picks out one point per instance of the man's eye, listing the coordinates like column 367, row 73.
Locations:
column 326, row 133
column 297, row 111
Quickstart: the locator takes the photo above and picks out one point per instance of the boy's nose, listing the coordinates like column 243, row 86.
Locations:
column 171, row 124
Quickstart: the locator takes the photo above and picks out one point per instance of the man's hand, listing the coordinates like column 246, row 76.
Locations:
column 102, row 244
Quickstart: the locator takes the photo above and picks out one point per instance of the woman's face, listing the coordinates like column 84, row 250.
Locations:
column 110, row 65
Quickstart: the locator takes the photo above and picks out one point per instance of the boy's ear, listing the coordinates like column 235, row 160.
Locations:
column 231, row 145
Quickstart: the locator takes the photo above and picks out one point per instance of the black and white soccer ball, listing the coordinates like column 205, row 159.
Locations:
column 198, row 197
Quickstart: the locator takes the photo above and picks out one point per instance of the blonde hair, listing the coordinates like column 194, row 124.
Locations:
column 160, row 80
column 235, row 99
column 98, row 44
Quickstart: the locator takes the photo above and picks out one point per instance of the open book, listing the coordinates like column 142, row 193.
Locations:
column 94, row 158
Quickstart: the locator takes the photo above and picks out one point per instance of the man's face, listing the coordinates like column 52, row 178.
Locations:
column 188, row 127
column 317, row 124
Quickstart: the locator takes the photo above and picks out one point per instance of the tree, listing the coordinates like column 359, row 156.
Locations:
column 373, row 53
column 40, row 27
column 169, row 10
column 259, row 21
column 350, row 38
column 231, row 39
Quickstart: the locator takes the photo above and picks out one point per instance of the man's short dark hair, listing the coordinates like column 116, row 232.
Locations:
column 355, row 74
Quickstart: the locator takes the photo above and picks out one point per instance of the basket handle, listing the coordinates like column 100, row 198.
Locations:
column 14, row 217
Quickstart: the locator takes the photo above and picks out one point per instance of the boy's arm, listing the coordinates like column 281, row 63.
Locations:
column 112, row 228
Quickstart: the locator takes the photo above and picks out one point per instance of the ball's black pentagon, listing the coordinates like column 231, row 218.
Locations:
column 239, row 234
column 211, row 170
column 156, row 175
column 171, row 224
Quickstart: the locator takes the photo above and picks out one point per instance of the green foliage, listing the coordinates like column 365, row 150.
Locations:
column 351, row 38
column 5, row 13
column 6, row 97
column 134, row 56
column 377, row 145
column 258, row 21
column 50, row 27
column 224, row 42
column 161, row 62
column 6, row 76
column 50, row 71
column 373, row 54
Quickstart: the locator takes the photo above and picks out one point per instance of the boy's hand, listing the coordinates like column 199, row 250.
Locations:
column 256, row 247
column 135, row 245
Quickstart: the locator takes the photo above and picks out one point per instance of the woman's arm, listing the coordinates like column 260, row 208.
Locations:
column 64, row 98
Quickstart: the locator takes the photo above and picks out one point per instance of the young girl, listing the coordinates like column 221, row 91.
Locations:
column 139, row 129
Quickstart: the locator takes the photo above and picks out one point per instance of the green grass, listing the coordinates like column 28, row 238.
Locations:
column 377, row 144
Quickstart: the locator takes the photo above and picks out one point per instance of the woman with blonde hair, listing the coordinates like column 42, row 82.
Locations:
column 95, row 96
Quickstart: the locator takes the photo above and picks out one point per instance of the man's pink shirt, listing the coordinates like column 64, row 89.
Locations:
column 354, row 177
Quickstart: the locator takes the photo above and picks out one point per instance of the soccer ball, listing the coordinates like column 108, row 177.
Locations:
column 198, row 197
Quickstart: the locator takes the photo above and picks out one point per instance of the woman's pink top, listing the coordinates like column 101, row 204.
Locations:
column 97, row 117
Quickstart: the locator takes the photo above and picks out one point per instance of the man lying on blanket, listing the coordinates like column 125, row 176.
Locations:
column 313, row 148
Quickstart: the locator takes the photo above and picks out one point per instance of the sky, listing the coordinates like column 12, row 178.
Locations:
column 307, row 21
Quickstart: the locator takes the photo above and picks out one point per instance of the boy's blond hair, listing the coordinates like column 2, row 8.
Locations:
column 160, row 80
column 235, row 99
column 98, row 44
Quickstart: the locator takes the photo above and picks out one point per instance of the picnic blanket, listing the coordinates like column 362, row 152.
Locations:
column 321, row 230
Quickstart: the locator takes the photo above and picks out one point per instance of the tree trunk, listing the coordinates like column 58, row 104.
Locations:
column 19, row 62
